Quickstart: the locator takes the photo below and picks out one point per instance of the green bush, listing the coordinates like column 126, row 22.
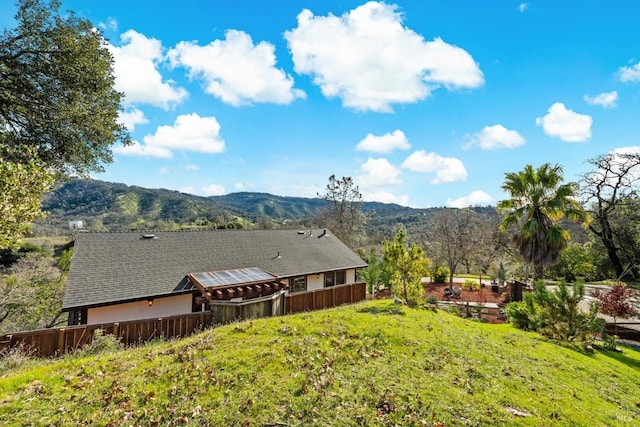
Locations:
column 439, row 274
column 101, row 343
column 471, row 285
column 556, row 314
column 432, row 300
column 520, row 315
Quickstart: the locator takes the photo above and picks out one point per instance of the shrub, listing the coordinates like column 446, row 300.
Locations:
column 556, row 314
column 432, row 301
column 12, row 358
column 101, row 343
column 439, row 274
column 471, row 285
column 520, row 315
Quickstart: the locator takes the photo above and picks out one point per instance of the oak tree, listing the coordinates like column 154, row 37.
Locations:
column 21, row 186
column 57, row 90
column 58, row 106
column 611, row 196
column 452, row 237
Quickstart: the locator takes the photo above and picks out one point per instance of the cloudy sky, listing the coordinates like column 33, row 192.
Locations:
column 424, row 103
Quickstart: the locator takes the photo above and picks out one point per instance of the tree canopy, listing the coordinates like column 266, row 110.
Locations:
column 405, row 265
column 57, row 92
column 453, row 237
column 538, row 201
column 58, row 108
column 21, row 186
column 611, row 196
column 343, row 211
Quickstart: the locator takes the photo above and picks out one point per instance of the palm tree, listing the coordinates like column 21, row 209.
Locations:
column 538, row 201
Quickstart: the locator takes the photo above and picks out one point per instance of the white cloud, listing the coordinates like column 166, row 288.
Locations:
column 190, row 132
column 369, row 60
column 192, row 167
column 111, row 24
column 137, row 149
column 386, row 197
column 136, row 69
column 606, row 99
column 132, row 117
column 188, row 190
column 630, row 74
column 565, row 124
column 213, row 190
column 632, row 149
column 239, row 186
column 378, row 172
column 496, row 136
column 633, row 174
column 386, row 143
column 476, row 198
column 164, row 170
column 237, row 71
column 523, row 6
column 447, row 169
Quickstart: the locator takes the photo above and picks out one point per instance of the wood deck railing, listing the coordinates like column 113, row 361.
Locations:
column 325, row 298
column 58, row 341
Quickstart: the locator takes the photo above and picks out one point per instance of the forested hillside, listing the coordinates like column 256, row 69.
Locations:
column 106, row 206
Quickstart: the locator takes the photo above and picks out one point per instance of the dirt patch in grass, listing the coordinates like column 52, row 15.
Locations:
column 483, row 295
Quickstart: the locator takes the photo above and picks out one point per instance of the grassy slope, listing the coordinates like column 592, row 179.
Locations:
column 369, row 364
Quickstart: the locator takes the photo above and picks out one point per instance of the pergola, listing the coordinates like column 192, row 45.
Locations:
column 238, row 283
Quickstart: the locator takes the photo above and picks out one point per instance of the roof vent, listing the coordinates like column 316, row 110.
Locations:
column 149, row 236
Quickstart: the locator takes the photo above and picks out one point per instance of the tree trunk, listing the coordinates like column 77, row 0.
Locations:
column 606, row 236
column 404, row 289
column 538, row 270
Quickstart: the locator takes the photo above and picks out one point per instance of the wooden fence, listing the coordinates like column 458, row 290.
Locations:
column 55, row 342
column 325, row 298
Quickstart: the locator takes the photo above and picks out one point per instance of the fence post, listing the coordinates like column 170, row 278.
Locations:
column 61, row 346
column 116, row 327
column 159, row 328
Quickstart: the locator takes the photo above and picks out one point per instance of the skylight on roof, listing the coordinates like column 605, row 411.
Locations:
column 232, row 277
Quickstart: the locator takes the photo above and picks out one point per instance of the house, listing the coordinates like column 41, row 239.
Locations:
column 115, row 277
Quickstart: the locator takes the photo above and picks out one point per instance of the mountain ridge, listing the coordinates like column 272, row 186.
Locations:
column 108, row 206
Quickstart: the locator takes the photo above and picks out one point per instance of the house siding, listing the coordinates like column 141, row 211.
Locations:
column 316, row 281
column 161, row 307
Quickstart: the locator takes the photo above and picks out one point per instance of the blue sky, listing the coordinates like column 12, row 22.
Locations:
column 424, row 103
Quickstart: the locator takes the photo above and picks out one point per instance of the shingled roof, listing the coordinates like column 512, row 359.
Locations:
column 113, row 267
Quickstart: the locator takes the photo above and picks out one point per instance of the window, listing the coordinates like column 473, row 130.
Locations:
column 329, row 279
column 297, row 284
column 332, row 278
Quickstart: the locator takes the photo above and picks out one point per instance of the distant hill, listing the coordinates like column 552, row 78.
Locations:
column 107, row 206
column 275, row 207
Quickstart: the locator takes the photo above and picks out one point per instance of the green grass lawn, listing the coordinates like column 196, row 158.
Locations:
column 374, row 363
